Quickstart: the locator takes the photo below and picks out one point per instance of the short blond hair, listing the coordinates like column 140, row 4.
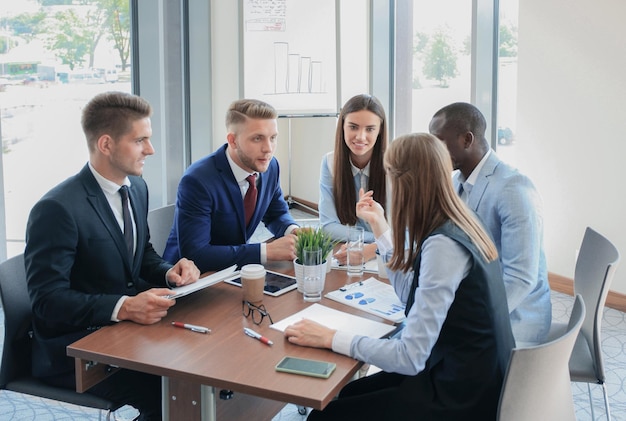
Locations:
column 242, row 109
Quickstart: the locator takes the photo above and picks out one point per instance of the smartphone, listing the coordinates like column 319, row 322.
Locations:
column 306, row 367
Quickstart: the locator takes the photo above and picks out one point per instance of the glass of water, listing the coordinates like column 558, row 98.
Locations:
column 314, row 272
column 354, row 249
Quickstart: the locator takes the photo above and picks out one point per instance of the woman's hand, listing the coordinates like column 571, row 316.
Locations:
column 372, row 212
column 309, row 333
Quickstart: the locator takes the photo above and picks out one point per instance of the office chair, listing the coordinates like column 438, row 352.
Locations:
column 595, row 266
column 160, row 222
column 15, row 370
column 537, row 383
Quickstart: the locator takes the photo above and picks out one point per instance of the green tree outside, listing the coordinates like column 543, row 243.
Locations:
column 440, row 59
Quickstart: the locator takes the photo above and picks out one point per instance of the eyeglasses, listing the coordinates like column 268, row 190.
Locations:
column 258, row 312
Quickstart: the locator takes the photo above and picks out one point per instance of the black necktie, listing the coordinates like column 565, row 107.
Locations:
column 249, row 201
column 128, row 223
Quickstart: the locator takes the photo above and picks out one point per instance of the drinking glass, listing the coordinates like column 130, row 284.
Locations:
column 354, row 250
column 313, row 275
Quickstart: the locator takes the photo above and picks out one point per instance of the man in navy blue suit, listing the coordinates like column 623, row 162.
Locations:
column 210, row 224
column 88, row 257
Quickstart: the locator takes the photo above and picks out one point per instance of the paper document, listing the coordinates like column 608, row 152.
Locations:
column 339, row 320
column 207, row 281
column 373, row 296
column 369, row 266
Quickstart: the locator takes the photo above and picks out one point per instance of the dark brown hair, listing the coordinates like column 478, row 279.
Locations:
column 112, row 113
column 344, row 191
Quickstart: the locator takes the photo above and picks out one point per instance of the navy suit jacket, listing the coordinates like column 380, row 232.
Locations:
column 209, row 226
column 77, row 265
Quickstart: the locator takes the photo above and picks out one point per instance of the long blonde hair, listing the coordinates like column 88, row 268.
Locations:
column 423, row 198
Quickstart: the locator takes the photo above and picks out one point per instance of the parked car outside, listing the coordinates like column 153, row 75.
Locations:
column 505, row 136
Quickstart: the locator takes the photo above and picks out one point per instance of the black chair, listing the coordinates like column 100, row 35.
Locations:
column 15, row 371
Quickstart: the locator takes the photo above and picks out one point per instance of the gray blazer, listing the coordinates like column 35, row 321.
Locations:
column 511, row 210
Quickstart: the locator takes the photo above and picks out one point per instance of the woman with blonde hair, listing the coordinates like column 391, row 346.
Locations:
column 450, row 359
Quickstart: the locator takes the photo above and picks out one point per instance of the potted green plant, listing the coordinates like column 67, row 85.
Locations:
column 311, row 239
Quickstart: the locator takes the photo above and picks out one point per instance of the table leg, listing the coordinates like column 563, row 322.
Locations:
column 183, row 400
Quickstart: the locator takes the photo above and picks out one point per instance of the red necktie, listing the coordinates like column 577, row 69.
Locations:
column 249, row 201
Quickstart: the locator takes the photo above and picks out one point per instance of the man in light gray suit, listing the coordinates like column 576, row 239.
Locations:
column 510, row 208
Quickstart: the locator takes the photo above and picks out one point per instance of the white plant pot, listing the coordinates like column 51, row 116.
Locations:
column 299, row 273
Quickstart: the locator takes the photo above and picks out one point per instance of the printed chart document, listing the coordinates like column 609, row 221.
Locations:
column 369, row 266
column 339, row 320
column 372, row 296
column 207, row 281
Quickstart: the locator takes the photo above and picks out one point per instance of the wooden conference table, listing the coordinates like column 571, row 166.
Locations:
column 195, row 365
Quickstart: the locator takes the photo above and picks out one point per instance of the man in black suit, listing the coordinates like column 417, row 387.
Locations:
column 88, row 257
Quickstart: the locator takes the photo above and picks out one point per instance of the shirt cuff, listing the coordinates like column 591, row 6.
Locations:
column 168, row 282
column 263, row 253
column 384, row 243
column 342, row 342
column 117, row 308
column 290, row 229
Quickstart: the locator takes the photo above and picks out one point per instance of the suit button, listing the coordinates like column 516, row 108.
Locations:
column 129, row 285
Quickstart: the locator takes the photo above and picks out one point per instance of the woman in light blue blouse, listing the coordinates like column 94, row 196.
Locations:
column 449, row 361
column 356, row 163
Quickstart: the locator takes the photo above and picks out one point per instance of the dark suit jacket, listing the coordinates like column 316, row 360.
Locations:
column 209, row 226
column 78, row 268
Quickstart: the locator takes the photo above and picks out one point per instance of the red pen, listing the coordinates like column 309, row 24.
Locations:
column 193, row 328
column 257, row 335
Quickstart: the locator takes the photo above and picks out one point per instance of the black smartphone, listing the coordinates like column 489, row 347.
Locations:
column 306, row 367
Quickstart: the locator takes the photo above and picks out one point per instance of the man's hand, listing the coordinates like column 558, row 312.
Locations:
column 309, row 333
column 283, row 248
column 184, row 272
column 147, row 307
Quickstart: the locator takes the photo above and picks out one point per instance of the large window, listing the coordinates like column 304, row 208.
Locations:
column 442, row 33
column 54, row 57
column 507, row 82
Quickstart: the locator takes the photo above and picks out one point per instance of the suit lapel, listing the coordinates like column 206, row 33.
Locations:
column 232, row 188
column 478, row 190
column 101, row 207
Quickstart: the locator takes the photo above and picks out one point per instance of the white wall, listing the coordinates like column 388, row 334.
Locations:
column 571, row 124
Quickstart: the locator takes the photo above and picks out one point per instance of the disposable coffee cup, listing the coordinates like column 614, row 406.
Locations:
column 253, row 282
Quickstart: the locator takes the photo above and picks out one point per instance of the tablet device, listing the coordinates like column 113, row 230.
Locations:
column 275, row 283
column 306, row 367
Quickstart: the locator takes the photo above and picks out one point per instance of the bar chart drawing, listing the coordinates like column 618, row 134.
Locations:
column 283, row 63
column 294, row 73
